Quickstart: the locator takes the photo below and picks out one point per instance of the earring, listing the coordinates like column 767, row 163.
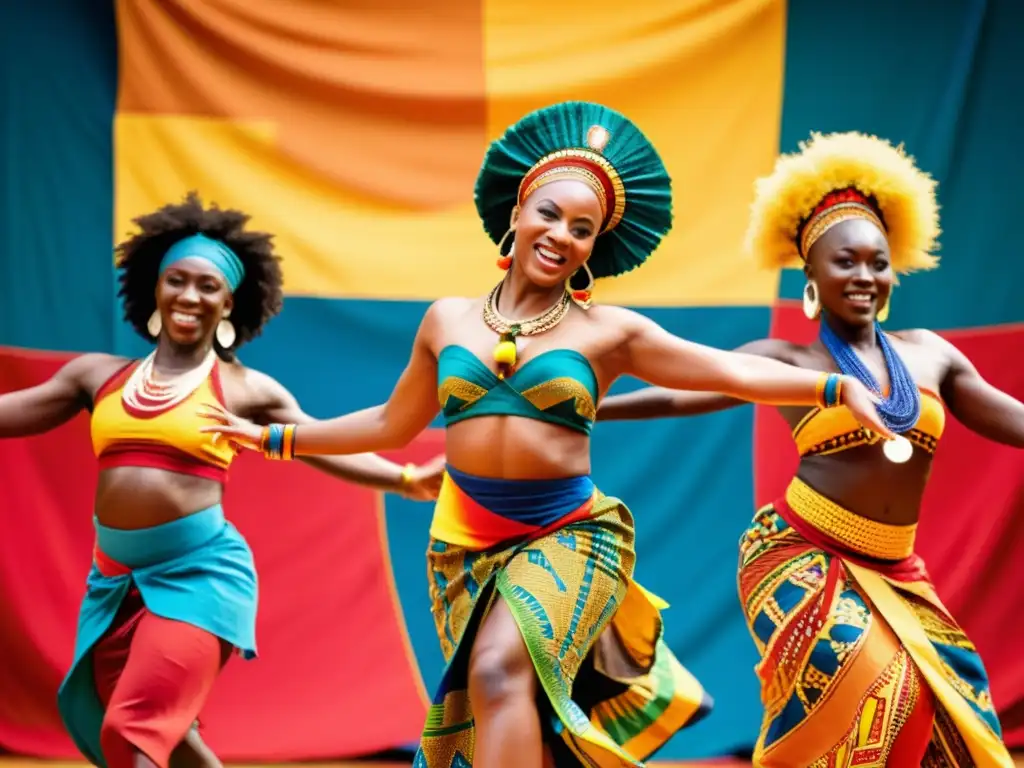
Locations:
column 504, row 262
column 583, row 296
column 883, row 312
column 225, row 332
column 155, row 324
column 812, row 304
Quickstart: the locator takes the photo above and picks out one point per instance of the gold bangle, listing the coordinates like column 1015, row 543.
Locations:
column 406, row 478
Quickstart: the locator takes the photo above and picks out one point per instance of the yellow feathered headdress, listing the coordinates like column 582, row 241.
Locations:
column 840, row 176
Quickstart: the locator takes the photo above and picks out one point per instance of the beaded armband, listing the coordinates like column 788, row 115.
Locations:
column 828, row 393
column 278, row 442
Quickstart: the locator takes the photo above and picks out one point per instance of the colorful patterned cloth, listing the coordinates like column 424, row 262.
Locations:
column 861, row 664
column 613, row 697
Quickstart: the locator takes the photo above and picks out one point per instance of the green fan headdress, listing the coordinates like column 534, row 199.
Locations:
column 593, row 144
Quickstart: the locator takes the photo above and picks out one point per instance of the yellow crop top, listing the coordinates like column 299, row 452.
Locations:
column 168, row 439
column 832, row 430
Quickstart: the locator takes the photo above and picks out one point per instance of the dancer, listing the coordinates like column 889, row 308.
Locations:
column 172, row 589
column 861, row 663
column 528, row 563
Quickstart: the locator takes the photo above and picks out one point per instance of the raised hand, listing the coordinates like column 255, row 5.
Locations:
column 862, row 404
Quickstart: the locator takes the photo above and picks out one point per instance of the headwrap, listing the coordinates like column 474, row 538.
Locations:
column 589, row 143
column 837, row 177
column 218, row 254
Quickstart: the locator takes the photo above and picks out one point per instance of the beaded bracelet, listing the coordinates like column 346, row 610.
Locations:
column 828, row 392
column 278, row 442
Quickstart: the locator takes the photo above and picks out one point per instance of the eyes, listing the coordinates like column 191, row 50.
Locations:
column 207, row 285
column 579, row 231
column 845, row 262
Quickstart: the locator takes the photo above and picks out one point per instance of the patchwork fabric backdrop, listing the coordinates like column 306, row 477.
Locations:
column 353, row 131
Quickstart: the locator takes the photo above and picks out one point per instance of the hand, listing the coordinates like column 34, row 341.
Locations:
column 425, row 480
column 241, row 433
column 862, row 404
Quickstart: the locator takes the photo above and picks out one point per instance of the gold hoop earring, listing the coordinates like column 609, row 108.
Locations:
column 505, row 261
column 225, row 333
column 581, row 296
column 812, row 302
column 883, row 312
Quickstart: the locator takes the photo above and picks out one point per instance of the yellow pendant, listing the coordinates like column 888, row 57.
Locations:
column 505, row 353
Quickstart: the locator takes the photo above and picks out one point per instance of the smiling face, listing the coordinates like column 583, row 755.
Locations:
column 192, row 298
column 851, row 267
column 555, row 231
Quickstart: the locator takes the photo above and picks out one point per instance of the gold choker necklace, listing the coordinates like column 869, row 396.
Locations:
column 505, row 352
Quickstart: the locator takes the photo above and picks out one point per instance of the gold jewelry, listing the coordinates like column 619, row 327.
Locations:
column 155, row 324
column 405, row 481
column 581, row 296
column 545, row 321
column 225, row 332
column 812, row 302
column 505, row 352
column 883, row 313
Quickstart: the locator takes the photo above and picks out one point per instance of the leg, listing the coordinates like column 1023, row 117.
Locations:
column 169, row 672
column 193, row 752
column 502, row 693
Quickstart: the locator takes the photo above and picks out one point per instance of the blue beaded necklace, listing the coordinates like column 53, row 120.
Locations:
column 901, row 409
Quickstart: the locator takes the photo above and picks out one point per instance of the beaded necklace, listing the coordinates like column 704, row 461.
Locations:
column 505, row 352
column 144, row 394
column 901, row 409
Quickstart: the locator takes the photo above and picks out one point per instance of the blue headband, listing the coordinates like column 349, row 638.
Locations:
column 202, row 247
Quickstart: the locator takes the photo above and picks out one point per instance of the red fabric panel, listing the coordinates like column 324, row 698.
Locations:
column 972, row 531
column 336, row 676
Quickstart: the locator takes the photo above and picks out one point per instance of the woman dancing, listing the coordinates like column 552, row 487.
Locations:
column 172, row 589
column 528, row 563
column 861, row 664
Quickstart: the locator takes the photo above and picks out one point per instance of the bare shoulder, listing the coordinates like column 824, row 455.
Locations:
column 449, row 308
column 777, row 349
column 249, row 392
column 925, row 339
column 92, row 370
column 611, row 316
column 255, row 383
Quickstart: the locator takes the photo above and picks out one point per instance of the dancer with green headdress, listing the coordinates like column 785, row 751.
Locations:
column 551, row 645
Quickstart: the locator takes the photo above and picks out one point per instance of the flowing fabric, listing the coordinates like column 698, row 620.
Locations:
column 614, row 692
column 861, row 664
column 197, row 570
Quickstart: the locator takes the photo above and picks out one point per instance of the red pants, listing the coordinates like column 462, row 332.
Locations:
column 153, row 676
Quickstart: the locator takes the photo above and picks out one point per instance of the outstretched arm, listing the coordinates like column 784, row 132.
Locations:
column 409, row 410
column 46, row 406
column 278, row 405
column 978, row 405
column 653, row 354
column 659, row 402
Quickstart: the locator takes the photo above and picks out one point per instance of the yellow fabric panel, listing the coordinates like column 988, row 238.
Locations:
column 702, row 78
column 354, row 132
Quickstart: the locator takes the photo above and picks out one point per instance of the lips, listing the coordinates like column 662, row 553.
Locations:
column 184, row 320
column 860, row 298
column 549, row 258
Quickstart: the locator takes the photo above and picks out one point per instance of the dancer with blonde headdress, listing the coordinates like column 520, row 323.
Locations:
column 861, row 664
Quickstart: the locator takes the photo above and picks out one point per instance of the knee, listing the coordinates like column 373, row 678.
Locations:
column 500, row 674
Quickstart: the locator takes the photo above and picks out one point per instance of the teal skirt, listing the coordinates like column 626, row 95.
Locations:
column 198, row 570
